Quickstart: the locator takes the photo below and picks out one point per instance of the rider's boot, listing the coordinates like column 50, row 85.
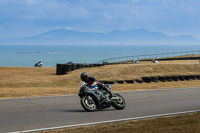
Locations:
column 110, row 94
column 102, row 86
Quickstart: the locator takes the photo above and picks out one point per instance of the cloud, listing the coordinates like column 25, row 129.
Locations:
column 170, row 16
column 41, row 9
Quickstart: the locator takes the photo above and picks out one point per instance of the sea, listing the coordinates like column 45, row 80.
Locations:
column 50, row 55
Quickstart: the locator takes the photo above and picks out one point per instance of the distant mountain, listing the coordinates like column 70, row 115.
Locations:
column 139, row 36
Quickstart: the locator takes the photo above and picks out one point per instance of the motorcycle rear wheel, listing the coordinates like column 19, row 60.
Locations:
column 88, row 104
column 119, row 104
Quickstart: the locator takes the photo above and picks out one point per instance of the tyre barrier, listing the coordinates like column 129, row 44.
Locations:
column 139, row 81
column 187, row 77
column 198, row 77
column 86, row 65
column 107, row 82
column 73, row 67
column 67, row 68
column 169, row 78
column 162, row 78
column 120, row 81
column 95, row 65
column 175, row 78
column 154, row 78
column 181, row 77
column 63, row 68
column 110, row 82
column 192, row 77
column 129, row 81
column 59, row 69
column 146, row 79
column 78, row 66
column 91, row 65
column 82, row 65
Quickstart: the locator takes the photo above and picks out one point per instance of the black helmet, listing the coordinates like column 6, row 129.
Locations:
column 84, row 76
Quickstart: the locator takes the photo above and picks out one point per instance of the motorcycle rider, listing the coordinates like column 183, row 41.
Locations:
column 92, row 81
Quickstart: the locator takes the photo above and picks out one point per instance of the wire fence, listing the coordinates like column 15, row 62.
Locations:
column 151, row 56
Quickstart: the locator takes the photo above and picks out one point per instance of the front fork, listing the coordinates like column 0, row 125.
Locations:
column 90, row 99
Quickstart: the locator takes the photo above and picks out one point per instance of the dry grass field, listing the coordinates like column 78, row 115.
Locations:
column 187, row 123
column 17, row 82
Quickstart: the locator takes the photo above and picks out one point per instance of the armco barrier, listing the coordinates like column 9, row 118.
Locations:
column 193, row 55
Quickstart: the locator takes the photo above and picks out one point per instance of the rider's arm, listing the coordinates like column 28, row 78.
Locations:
column 91, row 80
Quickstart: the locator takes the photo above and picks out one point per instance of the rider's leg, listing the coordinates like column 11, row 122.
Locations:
column 103, row 87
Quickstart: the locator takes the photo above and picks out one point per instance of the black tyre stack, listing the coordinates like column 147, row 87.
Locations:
column 120, row 81
column 146, row 79
column 169, row 78
column 63, row 68
column 192, row 77
column 198, row 77
column 154, row 78
column 78, row 66
column 67, row 68
column 139, row 80
column 162, row 78
column 73, row 67
column 175, row 78
column 59, row 69
column 187, row 77
column 129, row 81
column 181, row 77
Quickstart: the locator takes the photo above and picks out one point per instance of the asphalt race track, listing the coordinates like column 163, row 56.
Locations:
column 47, row 112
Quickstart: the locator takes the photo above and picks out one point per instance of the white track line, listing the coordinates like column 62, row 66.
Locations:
column 109, row 121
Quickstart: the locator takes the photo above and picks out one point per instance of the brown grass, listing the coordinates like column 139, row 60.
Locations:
column 187, row 123
column 31, row 82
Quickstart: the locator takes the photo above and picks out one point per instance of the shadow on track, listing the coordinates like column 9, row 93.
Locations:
column 82, row 110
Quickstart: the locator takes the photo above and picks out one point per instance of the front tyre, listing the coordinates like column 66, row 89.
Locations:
column 88, row 104
column 119, row 104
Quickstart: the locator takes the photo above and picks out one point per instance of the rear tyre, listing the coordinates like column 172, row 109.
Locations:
column 88, row 104
column 121, row 104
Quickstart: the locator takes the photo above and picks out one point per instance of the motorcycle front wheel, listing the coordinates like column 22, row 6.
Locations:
column 119, row 104
column 88, row 104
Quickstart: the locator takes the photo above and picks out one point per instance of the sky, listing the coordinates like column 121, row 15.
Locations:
column 21, row 18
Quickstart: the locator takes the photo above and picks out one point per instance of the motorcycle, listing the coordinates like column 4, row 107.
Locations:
column 93, row 98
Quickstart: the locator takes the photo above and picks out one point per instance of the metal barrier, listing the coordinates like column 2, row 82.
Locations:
column 151, row 56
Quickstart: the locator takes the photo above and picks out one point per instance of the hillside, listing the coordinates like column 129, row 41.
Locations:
column 138, row 36
column 31, row 82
